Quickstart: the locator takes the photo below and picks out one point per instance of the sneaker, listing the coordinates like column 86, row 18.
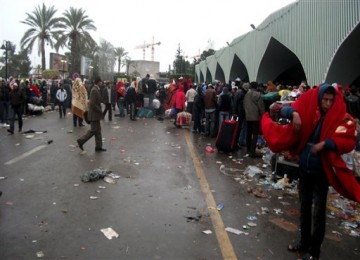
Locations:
column 10, row 131
column 100, row 150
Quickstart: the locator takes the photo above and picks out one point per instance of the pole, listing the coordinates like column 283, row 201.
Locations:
column 6, row 60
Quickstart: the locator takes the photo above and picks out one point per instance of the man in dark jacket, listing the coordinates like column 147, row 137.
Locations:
column 95, row 114
column 130, row 99
column 106, row 97
column 210, row 110
column 239, row 109
column 17, row 99
column 4, row 101
column 149, row 90
column 198, row 110
column 353, row 103
column 254, row 109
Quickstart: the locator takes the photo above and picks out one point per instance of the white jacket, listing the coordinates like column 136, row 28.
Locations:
column 61, row 95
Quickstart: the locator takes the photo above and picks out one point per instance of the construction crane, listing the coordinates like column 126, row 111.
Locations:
column 147, row 45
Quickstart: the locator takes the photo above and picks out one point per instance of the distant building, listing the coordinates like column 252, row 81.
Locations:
column 142, row 67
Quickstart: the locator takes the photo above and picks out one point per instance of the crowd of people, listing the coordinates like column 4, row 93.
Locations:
column 323, row 122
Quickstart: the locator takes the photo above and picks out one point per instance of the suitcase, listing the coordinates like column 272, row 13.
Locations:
column 183, row 119
column 228, row 136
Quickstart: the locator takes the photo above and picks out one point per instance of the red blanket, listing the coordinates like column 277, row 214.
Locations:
column 337, row 126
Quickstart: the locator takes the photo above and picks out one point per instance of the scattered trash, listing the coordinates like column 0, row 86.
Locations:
column 188, row 187
column 278, row 211
column 109, row 233
column 264, row 210
column 3, row 177
column 282, row 183
column 252, row 218
column 253, row 170
column 193, row 218
column 220, row 206
column 258, row 192
column 336, row 233
column 34, row 132
column 109, row 180
column 230, row 171
column 94, row 175
column 93, row 197
column 354, row 233
column 40, row 254
column 235, row 231
column 349, row 225
column 29, row 136
column 209, row 149
column 50, row 141
column 251, row 224
column 207, row 232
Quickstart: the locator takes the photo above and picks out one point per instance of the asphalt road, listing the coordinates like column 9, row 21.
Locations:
column 165, row 197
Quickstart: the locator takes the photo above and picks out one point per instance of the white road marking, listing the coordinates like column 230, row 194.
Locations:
column 36, row 149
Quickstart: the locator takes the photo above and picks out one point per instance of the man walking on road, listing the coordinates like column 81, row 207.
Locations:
column 95, row 114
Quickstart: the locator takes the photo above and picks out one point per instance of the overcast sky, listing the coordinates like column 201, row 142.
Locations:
column 194, row 24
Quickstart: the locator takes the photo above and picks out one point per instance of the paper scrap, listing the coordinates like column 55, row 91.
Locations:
column 235, row 231
column 109, row 233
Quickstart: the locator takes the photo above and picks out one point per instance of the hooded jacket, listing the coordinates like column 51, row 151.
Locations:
column 180, row 98
column 337, row 130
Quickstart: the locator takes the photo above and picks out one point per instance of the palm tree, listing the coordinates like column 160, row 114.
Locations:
column 119, row 54
column 76, row 36
column 106, row 56
column 44, row 29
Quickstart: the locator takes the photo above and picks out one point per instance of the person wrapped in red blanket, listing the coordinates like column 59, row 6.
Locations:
column 320, row 132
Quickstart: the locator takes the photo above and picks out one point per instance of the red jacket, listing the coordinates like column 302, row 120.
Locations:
column 180, row 98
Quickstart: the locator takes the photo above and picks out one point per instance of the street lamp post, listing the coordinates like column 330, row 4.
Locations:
column 5, row 47
column 90, row 71
column 63, row 63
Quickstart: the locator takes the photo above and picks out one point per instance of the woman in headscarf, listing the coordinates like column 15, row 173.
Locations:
column 79, row 102
column 169, row 99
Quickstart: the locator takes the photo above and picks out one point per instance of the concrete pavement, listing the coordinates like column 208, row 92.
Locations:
column 161, row 204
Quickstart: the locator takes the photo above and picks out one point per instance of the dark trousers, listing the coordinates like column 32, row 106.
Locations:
column 197, row 115
column 108, row 110
column 95, row 130
column 313, row 190
column 62, row 109
column 77, row 120
column 4, row 111
column 132, row 111
column 16, row 112
column 210, row 118
column 252, row 133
